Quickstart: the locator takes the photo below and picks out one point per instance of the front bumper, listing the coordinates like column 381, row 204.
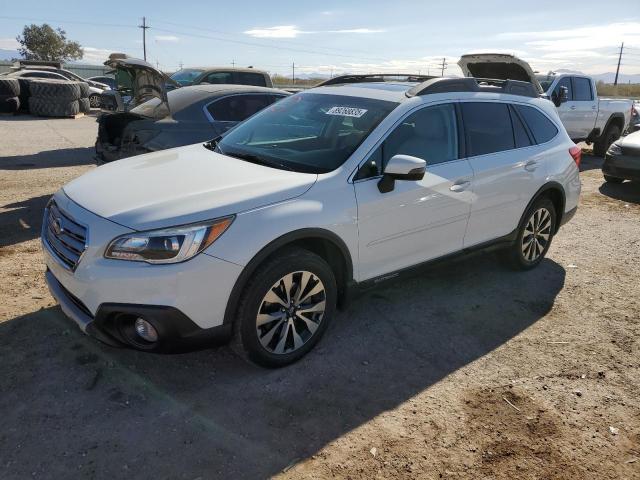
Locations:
column 622, row 166
column 186, row 300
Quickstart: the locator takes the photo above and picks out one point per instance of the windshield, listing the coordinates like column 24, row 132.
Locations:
column 307, row 132
column 186, row 76
column 545, row 81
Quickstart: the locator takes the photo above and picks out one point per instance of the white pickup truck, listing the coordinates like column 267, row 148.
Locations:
column 585, row 116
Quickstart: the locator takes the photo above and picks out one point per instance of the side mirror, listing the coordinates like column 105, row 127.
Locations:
column 401, row 167
column 561, row 97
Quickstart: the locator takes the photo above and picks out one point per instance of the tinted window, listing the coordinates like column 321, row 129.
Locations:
column 236, row 108
column 542, row 128
column 307, row 132
column 218, row 77
column 565, row 82
column 520, row 134
column 487, row 127
column 246, row 78
column 582, row 89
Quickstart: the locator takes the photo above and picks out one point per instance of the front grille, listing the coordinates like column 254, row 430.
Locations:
column 65, row 237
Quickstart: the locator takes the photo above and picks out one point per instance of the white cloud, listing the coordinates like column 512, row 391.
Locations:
column 9, row 44
column 166, row 38
column 282, row 31
column 292, row 31
column 96, row 55
column 357, row 30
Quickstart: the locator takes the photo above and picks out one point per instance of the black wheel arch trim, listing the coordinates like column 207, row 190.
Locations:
column 274, row 246
column 549, row 186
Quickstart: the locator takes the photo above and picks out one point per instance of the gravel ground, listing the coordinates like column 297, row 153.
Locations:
column 466, row 371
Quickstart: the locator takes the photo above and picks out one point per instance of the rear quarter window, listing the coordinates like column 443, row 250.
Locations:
column 541, row 127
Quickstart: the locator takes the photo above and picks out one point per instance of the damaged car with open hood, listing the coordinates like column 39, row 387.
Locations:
column 147, row 118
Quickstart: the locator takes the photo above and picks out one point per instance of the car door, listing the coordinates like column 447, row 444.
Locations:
column 507, row 169
column 417, row 220
column 567, row 110
column 585, row 106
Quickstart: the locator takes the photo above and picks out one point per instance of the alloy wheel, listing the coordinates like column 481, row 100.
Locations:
column 94, row 101
column 291, row 312
column 537, row 234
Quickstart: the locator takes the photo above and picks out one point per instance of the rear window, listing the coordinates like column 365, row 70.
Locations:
column 541, row 127
column 236, row 108
column 487, row 127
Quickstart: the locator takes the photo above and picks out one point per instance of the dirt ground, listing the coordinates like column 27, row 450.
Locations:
column 467, row 371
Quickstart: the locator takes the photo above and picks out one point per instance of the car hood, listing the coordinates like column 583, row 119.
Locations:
column 180, row 186
column 499, row 66
column 630, row 141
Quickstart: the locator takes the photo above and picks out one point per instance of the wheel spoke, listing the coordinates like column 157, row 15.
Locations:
column 297, row 341
column 266, row 338
column 288, row 286
column 545, row 236
column 264, row 318
column 284, row 333
column 273, row 297
column 313, row 308
column 311, row 325
column 314, row 291
column 304, row 281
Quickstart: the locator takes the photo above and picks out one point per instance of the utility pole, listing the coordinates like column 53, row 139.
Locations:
column 293, row 73
column 144, row 36
column 443, row 66
column 615, row 82
column 233, row 63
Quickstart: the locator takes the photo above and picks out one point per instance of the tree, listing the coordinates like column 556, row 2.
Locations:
column 45, row 43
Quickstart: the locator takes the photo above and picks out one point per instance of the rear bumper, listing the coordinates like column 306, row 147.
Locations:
column 176, row 331
column 622, row 166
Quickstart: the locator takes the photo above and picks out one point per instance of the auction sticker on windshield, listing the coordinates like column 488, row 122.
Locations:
column 347, row 111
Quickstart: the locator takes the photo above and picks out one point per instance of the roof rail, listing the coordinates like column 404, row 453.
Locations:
column 472, row 84
column 375, row 77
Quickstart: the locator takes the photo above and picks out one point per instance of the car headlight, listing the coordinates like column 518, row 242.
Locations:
column 169, row 245
column 614, row 149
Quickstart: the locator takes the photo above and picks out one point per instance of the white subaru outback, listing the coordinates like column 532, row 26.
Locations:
column 259, row 234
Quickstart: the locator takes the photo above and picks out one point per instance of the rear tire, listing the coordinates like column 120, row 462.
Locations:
column 285, row 308
column 609, row 179
column 535, row 233
column 94, row 100
column 601, row 146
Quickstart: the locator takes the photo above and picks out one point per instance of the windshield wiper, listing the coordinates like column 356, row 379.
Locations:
column 249, row 157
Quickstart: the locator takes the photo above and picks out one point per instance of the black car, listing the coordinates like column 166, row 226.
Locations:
column 622, row 160
column 189, row 115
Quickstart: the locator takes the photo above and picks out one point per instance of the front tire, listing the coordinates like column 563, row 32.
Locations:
column 534, row 235
column 285, row 308
column 602, row 145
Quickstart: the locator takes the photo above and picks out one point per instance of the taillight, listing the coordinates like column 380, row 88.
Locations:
column 576, row 154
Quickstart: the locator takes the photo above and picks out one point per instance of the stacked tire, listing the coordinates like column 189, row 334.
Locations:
column 58, row 98
column 9, row 95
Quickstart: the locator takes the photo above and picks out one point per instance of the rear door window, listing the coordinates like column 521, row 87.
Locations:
column 541, row 127
column 248, row 78
column 582, row 89
column 487, row 127
column 236, row 108
column 218, row 78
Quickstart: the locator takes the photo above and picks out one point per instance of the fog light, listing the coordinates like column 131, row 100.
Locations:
column 145, row 330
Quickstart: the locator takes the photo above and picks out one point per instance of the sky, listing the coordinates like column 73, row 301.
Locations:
column 356, row 36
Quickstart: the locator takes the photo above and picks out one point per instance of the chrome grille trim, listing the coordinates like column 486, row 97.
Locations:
column 66, row 238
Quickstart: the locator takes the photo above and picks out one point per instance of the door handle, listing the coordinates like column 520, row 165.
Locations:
column 572, row 107
column 593, row 107
column 460, row 186
column 531, row 165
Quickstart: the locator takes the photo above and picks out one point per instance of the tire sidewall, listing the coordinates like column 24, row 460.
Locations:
column 251, row 301
column 543, row 202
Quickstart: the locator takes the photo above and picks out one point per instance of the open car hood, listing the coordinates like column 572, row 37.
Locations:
column 143, row 81
column 500, row 66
